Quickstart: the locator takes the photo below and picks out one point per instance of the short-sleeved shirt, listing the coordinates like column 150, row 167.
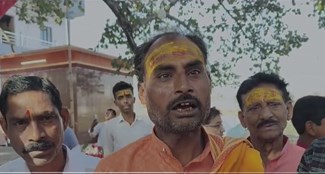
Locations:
column 118, row 133
column 289, row 159
column 313, row 159
column 76, row 162
column 150, row 154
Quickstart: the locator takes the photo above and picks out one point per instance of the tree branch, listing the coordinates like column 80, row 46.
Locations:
column 180, row 22
column 172, row 4
column 123, row 23
column 228, row 12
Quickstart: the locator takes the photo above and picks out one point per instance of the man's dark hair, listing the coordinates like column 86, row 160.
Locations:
column 142, row 50
column 120, row 86
column 19, row 84
column 214, row 112
column 308, row 108
column 113, row 111
column 262, row 78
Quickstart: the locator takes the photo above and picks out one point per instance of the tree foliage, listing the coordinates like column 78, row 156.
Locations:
column 252, row 31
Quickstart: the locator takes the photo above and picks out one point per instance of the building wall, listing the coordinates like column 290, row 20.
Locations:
column 92, row 88
column 93, row 96
column 32, row 34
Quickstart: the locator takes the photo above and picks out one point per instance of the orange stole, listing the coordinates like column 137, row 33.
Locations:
column 235, row 155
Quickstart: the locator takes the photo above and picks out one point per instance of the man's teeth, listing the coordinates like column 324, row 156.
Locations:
column 185, row 104
column 184, row 109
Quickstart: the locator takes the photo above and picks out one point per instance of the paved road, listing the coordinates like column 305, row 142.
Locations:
column 7, row 154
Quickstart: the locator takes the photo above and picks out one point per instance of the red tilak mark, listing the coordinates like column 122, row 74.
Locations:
column 28, row 113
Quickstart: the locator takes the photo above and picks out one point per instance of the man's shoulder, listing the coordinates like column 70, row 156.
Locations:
column 295, row 149
column 133, row 148
column 231, row 141
column 17, row 165
column 145, row 122
column 88, row 163
column 114, row 120
column 126, row 154
column 78, row 155
column 320, row 142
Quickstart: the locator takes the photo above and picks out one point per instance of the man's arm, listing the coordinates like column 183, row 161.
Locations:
column 306, row 161
column 106, row 139
column 95, row 131
column 93, row 124
column 70, row 138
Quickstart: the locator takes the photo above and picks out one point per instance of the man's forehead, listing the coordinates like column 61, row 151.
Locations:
column 262, row 93
column 167, row 50
column 30, row 102
column 123, row 92
column 166, row 39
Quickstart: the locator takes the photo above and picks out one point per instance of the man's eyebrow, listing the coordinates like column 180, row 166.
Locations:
column 17, row 119
column 194, row 63
column 45, row 113
column 163, row 68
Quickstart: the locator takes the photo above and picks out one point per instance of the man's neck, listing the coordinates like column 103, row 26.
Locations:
column 129, row 117
column 269, row 150
column 56, row 165
column 185, row 147
column 305, row 140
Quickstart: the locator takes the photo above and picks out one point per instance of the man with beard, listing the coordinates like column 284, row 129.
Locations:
column 32, row 121
column 265, row 109
column 176, row 88
column 125, row 128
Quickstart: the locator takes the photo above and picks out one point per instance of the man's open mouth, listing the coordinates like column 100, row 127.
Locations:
column 185, row 106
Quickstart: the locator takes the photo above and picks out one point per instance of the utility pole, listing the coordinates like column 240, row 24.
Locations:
column 70, row 72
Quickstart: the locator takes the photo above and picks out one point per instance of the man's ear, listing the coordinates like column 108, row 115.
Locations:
column 310, row 128
column 142, row 93
column 242, row 119
column 290, row 109
column 3, row 124
column 65, row 115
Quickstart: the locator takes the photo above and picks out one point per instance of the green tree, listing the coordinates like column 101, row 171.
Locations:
column 238, row 30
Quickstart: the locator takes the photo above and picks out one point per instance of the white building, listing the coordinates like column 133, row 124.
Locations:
column 17, row 36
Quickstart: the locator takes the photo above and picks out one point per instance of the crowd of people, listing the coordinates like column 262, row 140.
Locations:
column 185, row 133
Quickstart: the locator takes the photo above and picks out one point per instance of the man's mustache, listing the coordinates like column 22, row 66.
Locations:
column 264, row 122
column 182, row 98
column 38, row 146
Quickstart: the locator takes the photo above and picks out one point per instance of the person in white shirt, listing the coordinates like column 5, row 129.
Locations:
column 125, row 128
column 31, row 107
column 69, row 137
column 96, row 128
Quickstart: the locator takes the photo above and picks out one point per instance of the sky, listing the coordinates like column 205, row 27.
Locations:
column 303, row 69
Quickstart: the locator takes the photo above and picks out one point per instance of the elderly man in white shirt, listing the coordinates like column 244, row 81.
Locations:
column 33, row 121
column 125, row 128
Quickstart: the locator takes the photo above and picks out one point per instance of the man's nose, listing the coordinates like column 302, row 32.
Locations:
column 36, row 131
column 182, row 84
column 266, row 112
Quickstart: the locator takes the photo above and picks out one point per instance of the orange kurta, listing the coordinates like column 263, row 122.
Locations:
column 150, row 154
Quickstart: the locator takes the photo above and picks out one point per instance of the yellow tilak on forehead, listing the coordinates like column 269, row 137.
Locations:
column 123, row 92
column 172, row 50
column 262, row 94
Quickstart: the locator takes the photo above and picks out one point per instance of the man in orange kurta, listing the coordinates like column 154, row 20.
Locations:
column 176, row 88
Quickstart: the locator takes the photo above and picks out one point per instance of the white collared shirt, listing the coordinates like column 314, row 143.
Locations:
column 75, row 162
column 118, row 133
